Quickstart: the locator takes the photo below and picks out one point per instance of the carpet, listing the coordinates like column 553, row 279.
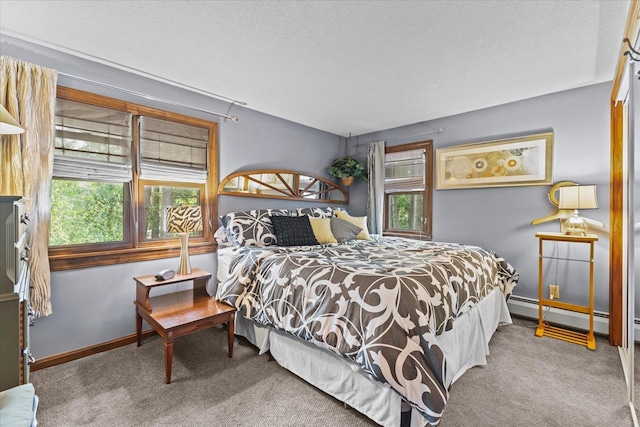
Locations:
column 528, row 381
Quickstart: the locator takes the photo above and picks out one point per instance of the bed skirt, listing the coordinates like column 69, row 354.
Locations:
column 465, row 345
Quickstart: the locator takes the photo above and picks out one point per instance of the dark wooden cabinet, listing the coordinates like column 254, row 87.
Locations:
column 15, row 313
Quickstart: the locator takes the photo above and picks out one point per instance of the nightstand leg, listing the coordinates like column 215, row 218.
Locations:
column 540, row 328
column 230, row 334
column 591, row 341
column 168, row 360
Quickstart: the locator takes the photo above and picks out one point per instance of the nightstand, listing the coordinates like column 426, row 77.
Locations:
column 587, row 339
column 180, row 313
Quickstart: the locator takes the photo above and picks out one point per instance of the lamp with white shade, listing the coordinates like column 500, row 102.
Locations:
column 8, row 125
column 183, row 220
column 577, row 197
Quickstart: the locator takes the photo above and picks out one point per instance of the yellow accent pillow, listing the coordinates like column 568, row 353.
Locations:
column 360, row 221
column 322, row 230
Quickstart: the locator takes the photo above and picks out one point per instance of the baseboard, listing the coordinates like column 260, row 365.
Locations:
column 58, row 359
column 528, row 307
column 519, row 306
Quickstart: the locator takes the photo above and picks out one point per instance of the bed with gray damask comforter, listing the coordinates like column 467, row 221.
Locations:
column 380, row 303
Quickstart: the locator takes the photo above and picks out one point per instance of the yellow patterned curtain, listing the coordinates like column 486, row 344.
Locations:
column 28, row 92
column 11, row 182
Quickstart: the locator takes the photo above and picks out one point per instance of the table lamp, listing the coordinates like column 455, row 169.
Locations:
column 8, row 125
column 183, row 220
column 577, row 197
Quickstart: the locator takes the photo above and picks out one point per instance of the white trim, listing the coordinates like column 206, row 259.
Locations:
column 528, row 307
column 623, row 89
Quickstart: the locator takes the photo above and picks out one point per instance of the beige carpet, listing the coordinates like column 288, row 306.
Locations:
column 529, row 381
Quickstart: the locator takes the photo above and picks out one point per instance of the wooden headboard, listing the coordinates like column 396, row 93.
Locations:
column 283, row 184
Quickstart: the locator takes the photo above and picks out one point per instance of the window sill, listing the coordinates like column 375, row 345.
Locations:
column 121, row 256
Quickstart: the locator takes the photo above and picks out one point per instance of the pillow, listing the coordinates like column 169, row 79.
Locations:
column 323, row 212
column 360, row 221
column 222, row 238
column 322, row 230
column 252, row 228
column 343, row 230
column 293, row 231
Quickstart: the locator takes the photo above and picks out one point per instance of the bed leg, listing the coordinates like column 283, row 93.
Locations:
column 405, row 415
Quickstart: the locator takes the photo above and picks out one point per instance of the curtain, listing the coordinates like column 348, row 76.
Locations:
column 11, row 182
column 28, row 92
column 375, row 208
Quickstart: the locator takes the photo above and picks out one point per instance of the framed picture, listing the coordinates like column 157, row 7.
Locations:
column 525, row 160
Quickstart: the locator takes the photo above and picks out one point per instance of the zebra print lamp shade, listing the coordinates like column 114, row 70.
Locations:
column 183, row 220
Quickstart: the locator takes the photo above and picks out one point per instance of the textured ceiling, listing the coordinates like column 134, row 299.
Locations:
column 343, row 66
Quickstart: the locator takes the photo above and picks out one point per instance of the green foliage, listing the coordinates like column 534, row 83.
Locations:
column 344, row 167
column 157, row 197
column 406, row 212
column 402, row 205
column 86, row 212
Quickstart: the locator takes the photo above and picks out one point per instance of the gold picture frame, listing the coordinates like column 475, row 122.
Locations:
column 525, row 160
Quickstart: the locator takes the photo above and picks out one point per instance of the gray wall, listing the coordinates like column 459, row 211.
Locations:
column 500, row 218
column 95, row 305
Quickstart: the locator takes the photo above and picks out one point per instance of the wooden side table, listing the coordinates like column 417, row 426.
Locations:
column 587, row 339
column 180, row 313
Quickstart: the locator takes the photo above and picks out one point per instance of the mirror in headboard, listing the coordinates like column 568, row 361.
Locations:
column 283, row 184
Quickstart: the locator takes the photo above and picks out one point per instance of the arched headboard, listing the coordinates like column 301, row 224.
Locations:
column 283, row 184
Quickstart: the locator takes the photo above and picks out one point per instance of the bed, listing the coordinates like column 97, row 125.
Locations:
column 380, row 323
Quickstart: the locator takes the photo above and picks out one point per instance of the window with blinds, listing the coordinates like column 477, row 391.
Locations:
column 117, row 166
column 92, row 173
column 92, row 143
column 173, row 171
column 407, row 188
column 172, row 151
column 404, row 171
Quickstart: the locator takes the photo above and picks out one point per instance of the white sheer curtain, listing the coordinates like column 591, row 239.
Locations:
column 29, row 91
column 375, row 208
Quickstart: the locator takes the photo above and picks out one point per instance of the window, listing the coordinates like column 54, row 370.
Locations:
column 117, row 166
column 408, row 190
column 156, row 199
column 173, row 172
column 86, row 212
column 91, row 169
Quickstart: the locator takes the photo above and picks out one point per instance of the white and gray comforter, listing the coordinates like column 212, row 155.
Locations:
column 380, row 303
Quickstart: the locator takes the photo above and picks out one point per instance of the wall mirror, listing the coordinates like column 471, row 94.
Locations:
column 283, row 184
column 625, row 245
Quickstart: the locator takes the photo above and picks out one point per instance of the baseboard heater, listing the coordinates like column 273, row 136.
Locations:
column 528, row 307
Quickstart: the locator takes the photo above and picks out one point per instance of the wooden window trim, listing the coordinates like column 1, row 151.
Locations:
column 616, row 186
column 131, row 249
column 427, row 197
